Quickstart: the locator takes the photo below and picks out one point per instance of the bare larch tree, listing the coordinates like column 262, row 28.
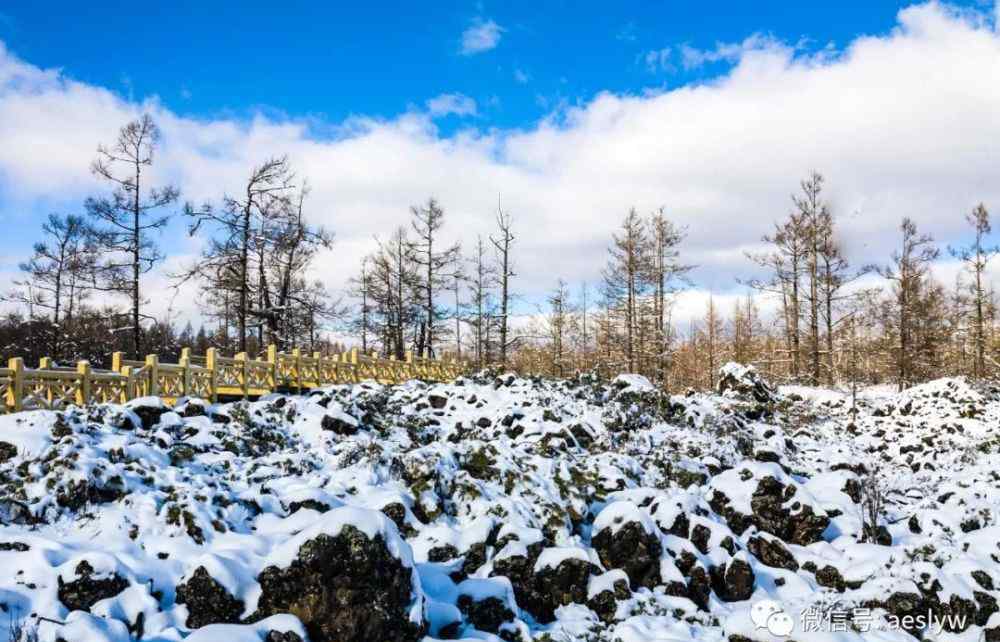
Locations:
column 502, row 242
column 55, row 276
column 624, row 278
column 908, row 271
column 127, row 218
column 976, row 257
column 437, row 266
column 242, row 228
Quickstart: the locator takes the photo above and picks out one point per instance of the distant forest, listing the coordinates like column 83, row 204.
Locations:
column 415, row 293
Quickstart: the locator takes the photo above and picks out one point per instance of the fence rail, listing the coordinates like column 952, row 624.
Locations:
column 208, row 376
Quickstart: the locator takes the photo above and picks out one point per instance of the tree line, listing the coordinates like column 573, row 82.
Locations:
column 834, row 322
column 252, row 273
column 831, row 321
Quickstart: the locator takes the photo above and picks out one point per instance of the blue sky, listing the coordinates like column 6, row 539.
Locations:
column 330, row 61
column 574, row 112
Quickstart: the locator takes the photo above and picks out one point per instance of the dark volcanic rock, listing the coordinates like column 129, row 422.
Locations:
column 14, row 512
column 746, row 382
column 700, row 535
column 486, row 614
column 737, row 521
column 208, row 602
column 772, row 553
column 879, row 535
column 852, row 488
column 983, row 579
column 85, row 591
column 633, row 550
column 148, row 414
column 17, row 547
column 699, row 586
column 733, row 582
column 347, row 588
column 7, row 451
column 830, row 577
column 520, row 570
column 801, row 527
column 767, row 456
column 311, row 504
column 338, row 425
column 605, row 602
column 957, row 614
column 681, row 526
column 192, row 408
column 555, row 587
column 987, row 607
column 542, row 593
column 396, row 511
column 442, row 553
column 474, row 557
column 181, row 453
column 901, row 605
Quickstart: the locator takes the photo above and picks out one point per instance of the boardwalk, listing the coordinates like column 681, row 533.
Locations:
column 208, row 376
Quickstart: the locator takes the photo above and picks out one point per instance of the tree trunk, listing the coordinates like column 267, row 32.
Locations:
column 136, row 258
column 244, row 274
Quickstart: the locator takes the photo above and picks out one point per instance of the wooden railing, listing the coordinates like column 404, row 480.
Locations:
column 210, row 377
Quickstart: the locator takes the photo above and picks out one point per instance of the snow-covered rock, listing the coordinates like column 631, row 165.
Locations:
column 499, row 507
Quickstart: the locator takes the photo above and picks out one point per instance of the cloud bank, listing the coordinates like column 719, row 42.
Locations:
column 902, row 124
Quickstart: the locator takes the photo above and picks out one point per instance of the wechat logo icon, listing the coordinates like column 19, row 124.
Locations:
column 768, row 614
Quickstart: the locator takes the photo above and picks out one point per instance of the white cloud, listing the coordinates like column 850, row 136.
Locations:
column 901, row 124
column 692, row 57
column 522, row 77
column 658, row 60
column 457, row 104
column 480, row 36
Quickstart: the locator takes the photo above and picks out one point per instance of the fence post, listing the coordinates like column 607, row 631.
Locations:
column 355, row 370
column 185, row 362
column 83, row 390
column 16, row 397
column 153, row 367
column 126, row 371
column 244, row 380
column 210, row 365
column 45, row 363
column 274, row 369
column 297, row 361
column 116, row 361
column 318, row 358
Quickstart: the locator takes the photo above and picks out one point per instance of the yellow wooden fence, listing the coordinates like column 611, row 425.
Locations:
column 208, row 376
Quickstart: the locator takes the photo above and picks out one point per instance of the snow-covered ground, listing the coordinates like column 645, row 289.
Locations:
column 505, row 508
